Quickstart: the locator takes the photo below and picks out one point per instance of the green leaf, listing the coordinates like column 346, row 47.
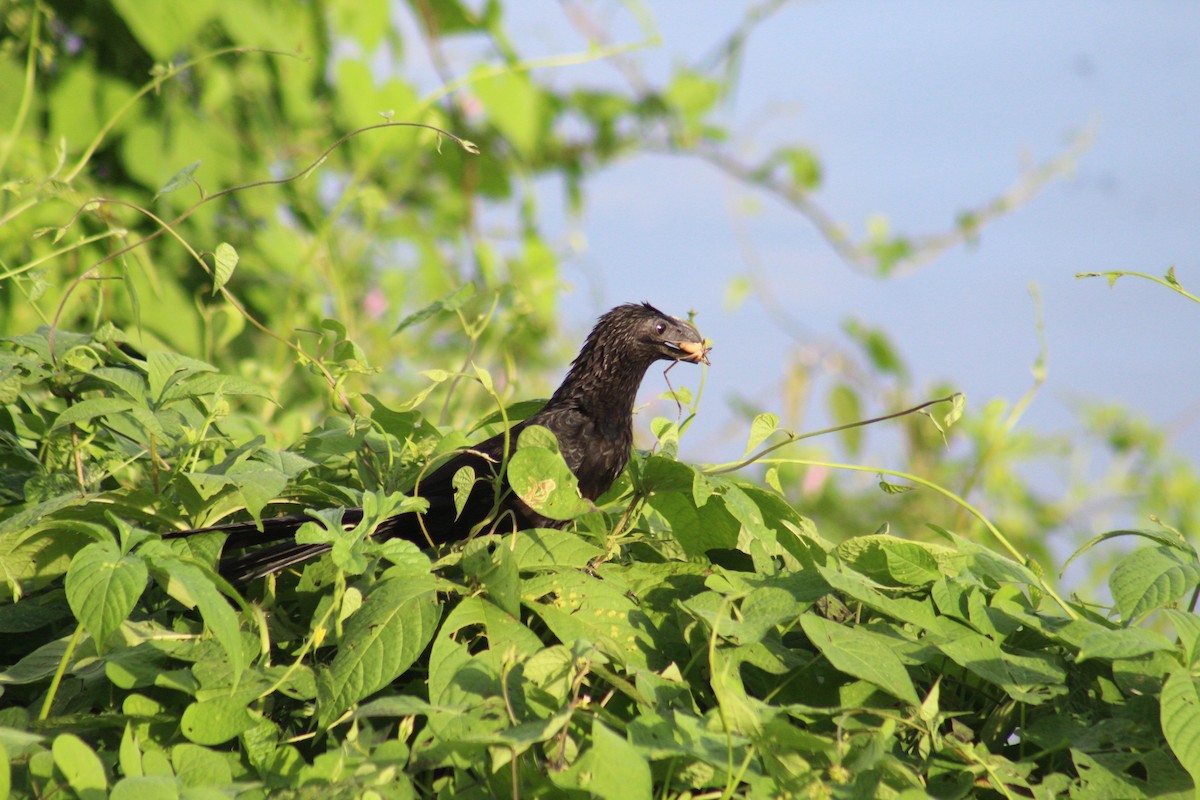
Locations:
column 804, row 168
column 132, row 383
column 1179, row 714
column 693, row 95
column 5, row 772
column 146, row 787
column 878, row 348
column 539, row 476
column 698, row 529
column 189, row 584
column 762, row 427
column 164, row 369
column 102, row 586
column 892, row 561
column 894, row 488
column 1150, row 578
column 258, row 484
column 225, row 260
column 462, row 482
column 1032, row 678
column 38, row 665
column 81, row 767
column 450, row 302
column 612, row 769
column 845, row 408
column 216, row 720
column 381, row 641
column 515, row 105
column 578, row 606
column 1187, row 627
column 199, row 766
column 1123, row 643
column 861, row 654
column 179, row 179
column 958, row 402
column 90, row 409
column 129, row 754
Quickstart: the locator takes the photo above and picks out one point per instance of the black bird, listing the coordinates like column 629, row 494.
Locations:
column 591, row 415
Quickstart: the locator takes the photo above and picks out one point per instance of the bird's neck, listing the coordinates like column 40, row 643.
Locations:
column 601, row 387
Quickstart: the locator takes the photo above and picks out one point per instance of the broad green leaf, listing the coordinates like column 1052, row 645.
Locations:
column 1032, row 678
column 861, row 654
column 845, row 407
column 494, row 564
column 539, row 476
column 1179, row 712
column 205, row 384
column 44, row 661
column 464, row 684
column 515, row 105
column 131, row 382
column 578, row 606
column 1150, row 578
column 225, row 260
column 697, row 529
column 146, row 787
column 547, row 547
column 916, row 612
column 379, row 643
column 1187, row 627
column 612, row 769
column 189, row 584
column 102, row 587
column 217, row 720
column 89, row 409
column 762, row 427
column 199, row 766
column 258, row 484
column 82, row 767
column 462, row 483
column 665, row 731
column 129, row 754
column 986, row 563
column 891, row 561
column 164, row 369
column 1123, row 643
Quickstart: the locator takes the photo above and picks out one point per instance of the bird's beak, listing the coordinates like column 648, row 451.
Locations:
column 695, row 352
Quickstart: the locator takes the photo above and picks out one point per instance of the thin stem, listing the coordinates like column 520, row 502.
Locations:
column 60, row 672
column 1168, row 281
column 797, row 437
column 35, row 28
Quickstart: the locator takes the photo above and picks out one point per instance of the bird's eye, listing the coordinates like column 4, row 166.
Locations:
column 660, row 327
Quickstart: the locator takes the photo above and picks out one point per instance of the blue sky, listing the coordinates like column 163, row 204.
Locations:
column 919, row 111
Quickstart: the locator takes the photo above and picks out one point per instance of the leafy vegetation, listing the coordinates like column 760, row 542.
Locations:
column 198, row 267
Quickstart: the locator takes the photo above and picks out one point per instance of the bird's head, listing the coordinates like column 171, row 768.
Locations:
column 658, row 335
column 619, row 350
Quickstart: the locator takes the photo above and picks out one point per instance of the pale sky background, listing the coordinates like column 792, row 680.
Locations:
column 918, row 111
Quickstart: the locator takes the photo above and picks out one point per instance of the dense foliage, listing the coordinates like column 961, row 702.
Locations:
column 207, row 233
